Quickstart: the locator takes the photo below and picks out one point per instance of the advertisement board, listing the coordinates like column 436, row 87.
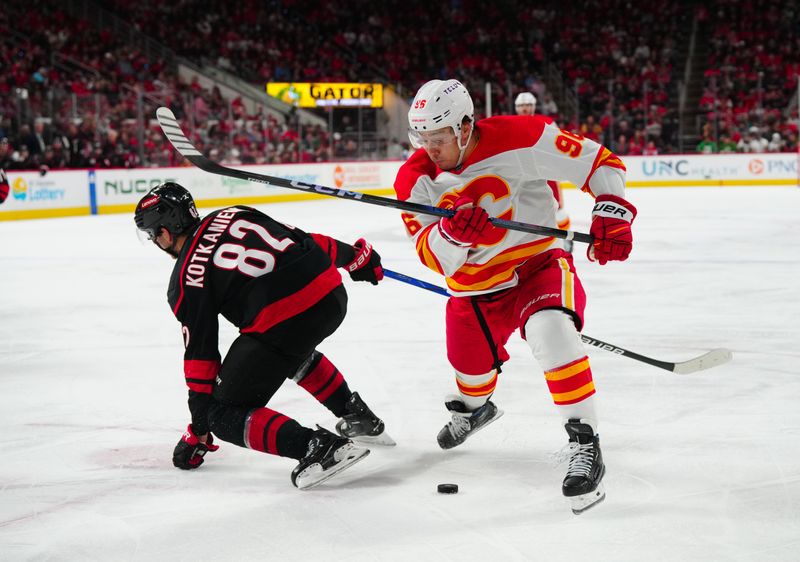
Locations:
column 120, row 190
column 54, row 194
column 83, row 192
column 712, row 170
column 324, row 94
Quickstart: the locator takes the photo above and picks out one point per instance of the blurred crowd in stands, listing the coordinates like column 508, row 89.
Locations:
column 752, row 76
column 75, row 96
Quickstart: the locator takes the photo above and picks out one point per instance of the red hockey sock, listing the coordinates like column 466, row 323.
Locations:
column 272, row 432
column 325, row 383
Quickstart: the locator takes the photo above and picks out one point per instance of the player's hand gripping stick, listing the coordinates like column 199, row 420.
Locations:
column 469, row 226
column 611, row 228
column 366, row 266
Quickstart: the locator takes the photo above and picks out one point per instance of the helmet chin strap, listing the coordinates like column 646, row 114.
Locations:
column 463, row 149
column 172, row 249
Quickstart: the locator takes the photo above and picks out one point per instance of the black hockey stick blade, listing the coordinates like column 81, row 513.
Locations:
column 172, row 129
column 713, row 358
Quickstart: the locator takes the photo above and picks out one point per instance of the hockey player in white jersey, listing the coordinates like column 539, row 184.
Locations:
column 503, row 280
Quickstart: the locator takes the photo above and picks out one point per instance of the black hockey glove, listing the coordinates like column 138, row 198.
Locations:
column 366, row 266
column 189, row 451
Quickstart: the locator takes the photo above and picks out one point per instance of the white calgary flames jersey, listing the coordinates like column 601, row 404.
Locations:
column 507, row 175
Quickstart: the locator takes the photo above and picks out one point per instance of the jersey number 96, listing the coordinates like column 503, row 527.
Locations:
column 570, row 144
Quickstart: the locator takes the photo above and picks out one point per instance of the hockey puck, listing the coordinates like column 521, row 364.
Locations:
column 447, row 488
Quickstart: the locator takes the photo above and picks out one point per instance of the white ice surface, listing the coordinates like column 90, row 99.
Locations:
column 700, row 467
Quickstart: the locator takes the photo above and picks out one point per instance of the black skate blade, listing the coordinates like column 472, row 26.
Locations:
column 585, row 502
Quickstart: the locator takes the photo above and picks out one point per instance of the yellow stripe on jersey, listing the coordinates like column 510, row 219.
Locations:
column 604, row 158
column 424, row 251
column 567, row 285
column 498, row 270
column 512, row 254
column 498, row 279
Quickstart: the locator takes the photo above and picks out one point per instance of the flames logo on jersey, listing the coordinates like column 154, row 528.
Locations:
column 493, row 188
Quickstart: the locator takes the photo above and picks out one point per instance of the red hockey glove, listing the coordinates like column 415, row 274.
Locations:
column 3, row 185
column 366, row 266
column 611, row 227
column 189, row 451
column 469, row 226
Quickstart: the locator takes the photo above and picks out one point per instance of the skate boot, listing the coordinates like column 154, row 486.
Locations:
column 328, row 455
column 360, row 424
column 465, row 423
column 583, row 482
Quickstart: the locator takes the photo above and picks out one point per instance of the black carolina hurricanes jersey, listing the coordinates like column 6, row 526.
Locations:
column 251, row 269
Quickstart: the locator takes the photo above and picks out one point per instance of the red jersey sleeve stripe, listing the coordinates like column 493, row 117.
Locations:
column 200, row 374
column 200, row 386
column 200, row 369
column 327, row 244
column 604, row 158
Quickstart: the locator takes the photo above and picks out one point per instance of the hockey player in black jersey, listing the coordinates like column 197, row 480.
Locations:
column 281, row 288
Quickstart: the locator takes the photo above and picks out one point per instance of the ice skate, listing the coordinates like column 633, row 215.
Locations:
column 328, row 455
column 465, row 423
column 360, row 424
column 583, row 482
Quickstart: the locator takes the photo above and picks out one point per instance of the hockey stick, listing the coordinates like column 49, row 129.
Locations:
column 182, row 144
column 708, row 360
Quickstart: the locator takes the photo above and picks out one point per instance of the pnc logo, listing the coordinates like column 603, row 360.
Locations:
column 756, row 166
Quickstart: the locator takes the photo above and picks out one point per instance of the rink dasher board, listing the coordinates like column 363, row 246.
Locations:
column 105, row 191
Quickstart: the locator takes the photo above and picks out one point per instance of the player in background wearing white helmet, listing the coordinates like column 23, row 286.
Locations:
column 525, row 104
column 503, row 280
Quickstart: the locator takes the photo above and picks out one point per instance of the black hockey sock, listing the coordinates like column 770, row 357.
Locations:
column 227, row 422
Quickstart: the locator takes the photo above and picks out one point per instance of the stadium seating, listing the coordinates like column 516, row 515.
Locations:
column 72, row 95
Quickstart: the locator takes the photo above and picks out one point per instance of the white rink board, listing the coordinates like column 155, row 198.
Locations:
column 113, row 191
column 126, row 187
column 59, row 193
column 700, row 467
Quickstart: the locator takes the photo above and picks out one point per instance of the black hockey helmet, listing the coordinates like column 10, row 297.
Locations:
column 169, row 206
